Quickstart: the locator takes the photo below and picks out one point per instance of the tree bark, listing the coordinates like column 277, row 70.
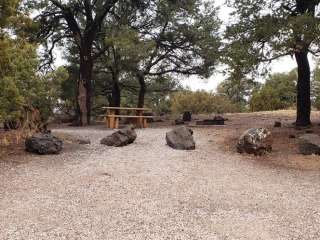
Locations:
column 142, row 90
column 303, row 89
column 85, row 87
column 115, row 92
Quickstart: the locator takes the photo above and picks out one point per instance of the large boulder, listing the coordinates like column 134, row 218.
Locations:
column 41, row 143
column 309, row 144
column 120, row 138
column 181, row 138
column 257, row 141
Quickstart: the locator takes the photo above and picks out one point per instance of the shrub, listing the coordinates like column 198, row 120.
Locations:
column 279, row 92
column 200, row 102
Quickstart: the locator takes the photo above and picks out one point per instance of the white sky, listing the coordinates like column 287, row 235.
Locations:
column 285, row 64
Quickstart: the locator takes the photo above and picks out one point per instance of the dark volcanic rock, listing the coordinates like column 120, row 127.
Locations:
column 277, row 124
column 309, row 144
column 255, row 141
column 120, row 138
column 187, row 117
column 43, row 144
column 178, row 122
column 181, row 138
column 217, row 120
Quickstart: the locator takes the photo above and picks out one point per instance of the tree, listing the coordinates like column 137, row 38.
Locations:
column 278, row 92
column 7, row 9
column 167, row 37
column 238, row 88
column 79, row 21
column 315, row 87
column 267, row 30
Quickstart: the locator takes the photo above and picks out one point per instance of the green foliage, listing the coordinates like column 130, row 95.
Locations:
column 7, row 9
column 266, row 30
column 279, row 92
column 200, row 102
column 315, row 87
column 238, row 88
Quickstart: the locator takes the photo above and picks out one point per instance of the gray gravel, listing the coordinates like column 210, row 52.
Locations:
column 150, row 191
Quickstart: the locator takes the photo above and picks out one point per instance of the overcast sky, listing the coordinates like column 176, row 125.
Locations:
column 195, row 83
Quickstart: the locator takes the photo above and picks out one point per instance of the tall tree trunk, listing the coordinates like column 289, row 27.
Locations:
column 303, row 89
column 85, row 88
column 115, row 92
column 142, row 90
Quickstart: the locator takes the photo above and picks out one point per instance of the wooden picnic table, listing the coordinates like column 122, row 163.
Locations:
column 113, row 116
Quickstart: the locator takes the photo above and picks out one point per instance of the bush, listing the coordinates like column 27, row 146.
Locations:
column 279, row 92
column 201, row 102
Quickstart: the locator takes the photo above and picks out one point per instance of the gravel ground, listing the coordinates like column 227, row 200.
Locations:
column 149, row 191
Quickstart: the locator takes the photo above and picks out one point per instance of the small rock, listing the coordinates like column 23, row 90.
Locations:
column 41, row 143
column 309, row 144
column 257, row 141
column 181, row 138
column 187, row 117
column 178, row 122
column 83, row 141
column 277, row 124
column 309, row 131
column 120, row 138
column 292, row 136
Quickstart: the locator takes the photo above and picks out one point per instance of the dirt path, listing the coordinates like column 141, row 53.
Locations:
column 149, row 191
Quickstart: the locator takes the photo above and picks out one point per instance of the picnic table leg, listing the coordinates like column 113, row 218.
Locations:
column 107, row 121
column 112, row 119
column 116, row 123
column 145, row 123
column 140, row 119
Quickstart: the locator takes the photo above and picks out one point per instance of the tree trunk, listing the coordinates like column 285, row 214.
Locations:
column 142, row 90
column 116, row 93
column 84, row 88
column 303, row 89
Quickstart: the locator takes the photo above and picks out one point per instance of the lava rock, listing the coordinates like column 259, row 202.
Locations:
column 277, row 124
column 309, row 144
column 187, row 117
column 41, row 143
column 120, row 138
column 257, row 141
column 181, row 138
column 178, row 122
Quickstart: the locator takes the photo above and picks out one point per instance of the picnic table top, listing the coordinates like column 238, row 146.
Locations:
column 127, row 108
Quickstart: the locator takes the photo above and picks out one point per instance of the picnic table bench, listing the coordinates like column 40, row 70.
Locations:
column 112, row 116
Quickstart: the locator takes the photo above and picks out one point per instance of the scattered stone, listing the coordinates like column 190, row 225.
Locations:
column 292, row 136
column 309, row 131
column 120, row 138
column 277, row 124
column 41, row 143
column 181, row 138
column 178, row 122
column 187, row 117
column 83, row 141
column 309, row 144
column 257, row 141
column 217, row 120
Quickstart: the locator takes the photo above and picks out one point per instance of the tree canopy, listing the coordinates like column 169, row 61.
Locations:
column 265, row 30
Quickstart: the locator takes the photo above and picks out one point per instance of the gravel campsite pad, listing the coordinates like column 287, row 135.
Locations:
column 149, row 191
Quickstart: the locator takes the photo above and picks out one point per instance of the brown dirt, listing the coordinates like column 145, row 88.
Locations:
column 285, row 149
